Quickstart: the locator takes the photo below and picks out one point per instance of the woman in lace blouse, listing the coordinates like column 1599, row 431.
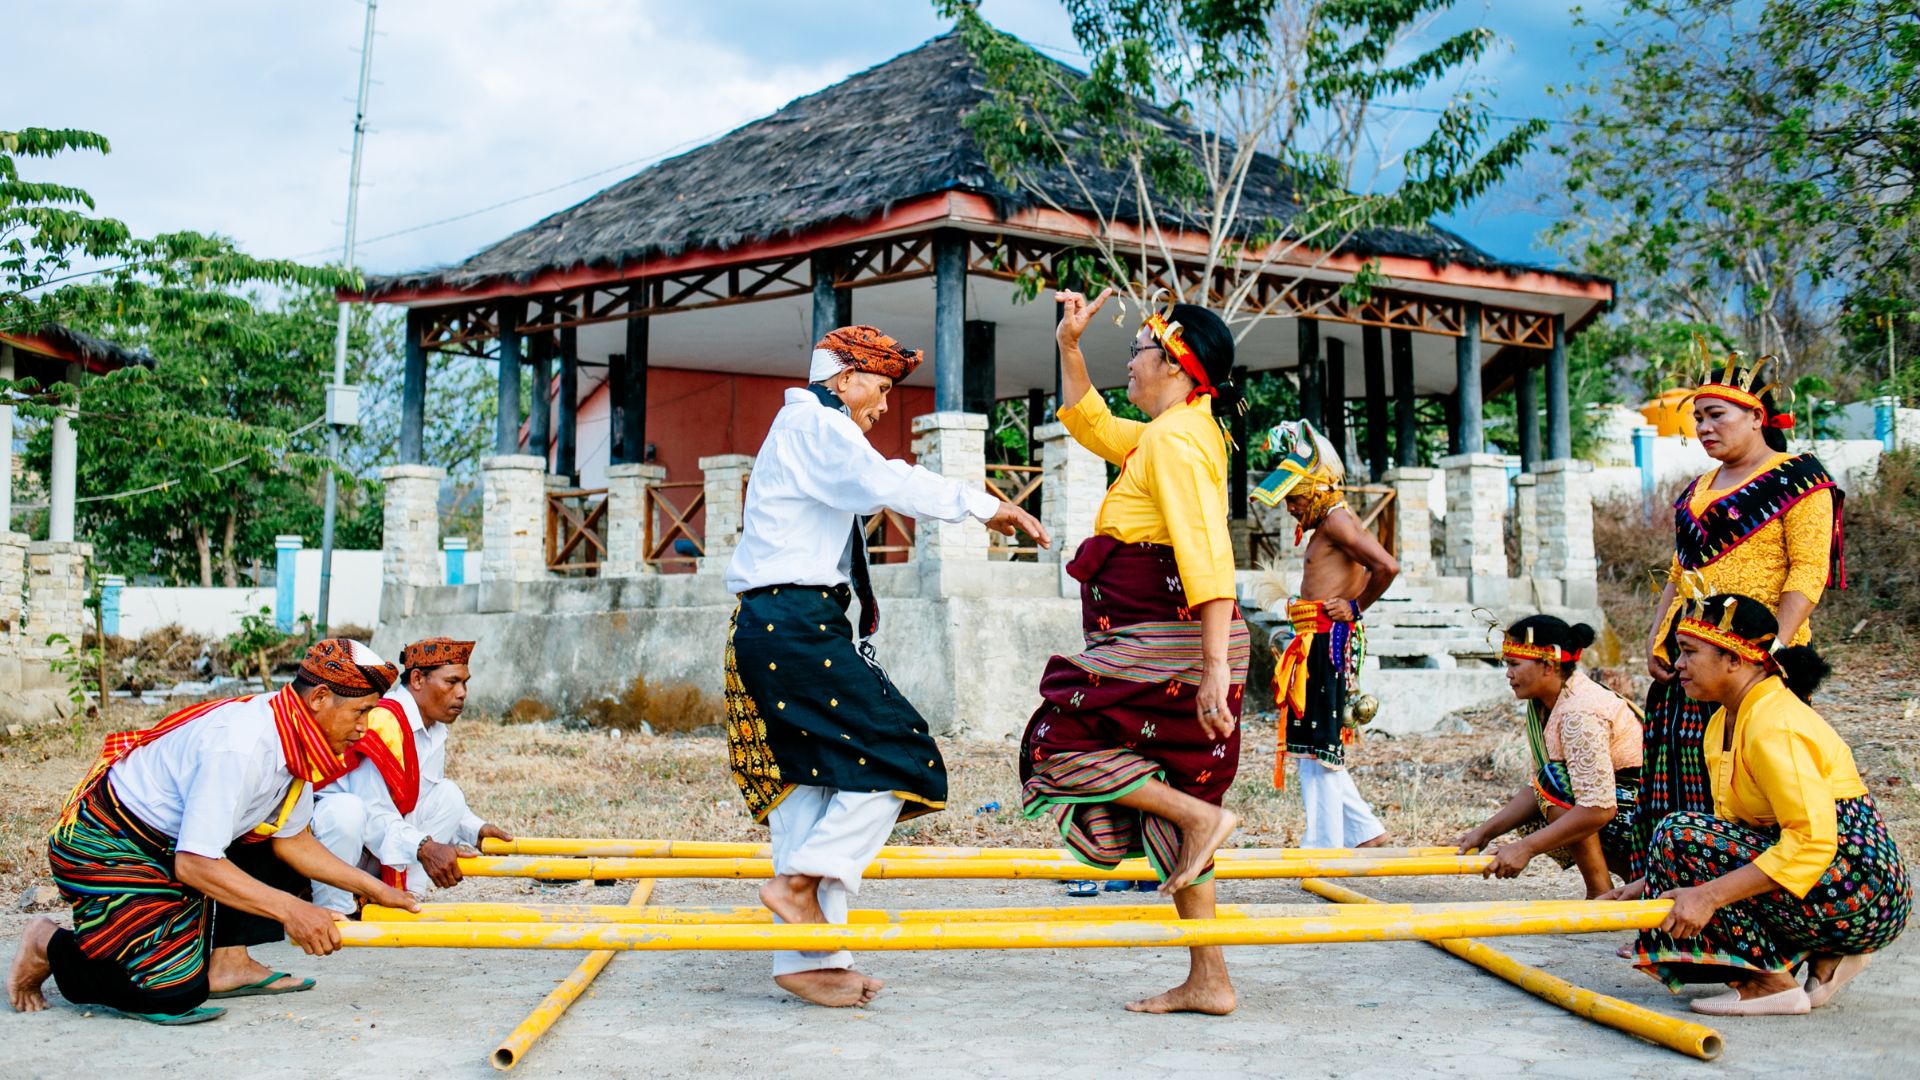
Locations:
column 1579, row 807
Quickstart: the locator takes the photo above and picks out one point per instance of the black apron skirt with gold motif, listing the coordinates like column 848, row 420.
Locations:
column 805, row 707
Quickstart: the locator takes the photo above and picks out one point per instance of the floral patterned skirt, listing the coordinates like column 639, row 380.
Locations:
column 1858, row 906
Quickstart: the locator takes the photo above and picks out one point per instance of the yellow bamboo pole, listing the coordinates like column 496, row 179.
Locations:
column 611, row 847
column 1696, row 1040
column 1589, row 918
column 522, row 1037
column 681, row 916
column 585, row 869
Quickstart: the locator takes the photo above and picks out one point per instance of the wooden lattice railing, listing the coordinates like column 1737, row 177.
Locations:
column 1016, row 484
column 576, row 530
column 669, row 522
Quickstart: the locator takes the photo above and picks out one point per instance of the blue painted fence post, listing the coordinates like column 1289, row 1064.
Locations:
column 286, row 550
column 456, row 548
column 1886, row 422
column 110, row 586
column 1643, row 459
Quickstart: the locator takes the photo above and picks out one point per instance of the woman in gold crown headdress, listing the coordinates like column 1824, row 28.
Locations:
column 1765, row 523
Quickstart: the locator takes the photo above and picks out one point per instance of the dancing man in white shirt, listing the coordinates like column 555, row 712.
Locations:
column 177, row 815
column 395, row 813
column 823, row 746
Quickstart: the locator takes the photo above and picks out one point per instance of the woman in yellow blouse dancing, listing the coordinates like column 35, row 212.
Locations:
column 1137, row 738
column 1766, row 524
column 1794, row 863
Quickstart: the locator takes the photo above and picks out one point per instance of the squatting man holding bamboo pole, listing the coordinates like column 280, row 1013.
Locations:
column 209, row 806
column 824, row 747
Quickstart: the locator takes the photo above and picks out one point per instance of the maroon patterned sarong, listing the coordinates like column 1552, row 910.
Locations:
column 1123, row 711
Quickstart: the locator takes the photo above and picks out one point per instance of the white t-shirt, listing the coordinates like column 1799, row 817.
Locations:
column 212, row 781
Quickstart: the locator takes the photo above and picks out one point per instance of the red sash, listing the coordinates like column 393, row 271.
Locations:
column 401, row 770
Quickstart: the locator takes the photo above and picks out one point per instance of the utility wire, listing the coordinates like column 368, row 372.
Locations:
column 165, row 484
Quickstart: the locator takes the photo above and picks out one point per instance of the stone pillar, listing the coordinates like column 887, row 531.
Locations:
column 626, row 518
column 953, row 444
column 1565, row 516
column 513, row 529
column 56, row 595
column 1413, row 519
column 1526, row 522
column 410, row 525
column 6, row 442
column 726, row 502
column 13, row 583
column 63, row 478
column 1073, row 482
column 1476, row 542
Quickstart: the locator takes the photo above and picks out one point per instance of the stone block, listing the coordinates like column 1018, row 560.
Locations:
column 626, row 518
column 1074, row 480
column 1413, row 520
column 56, row 597
column 410, row 526
column 1526, row 524
column 1566, row 521
column 514, row 511
column 725, row 478
column 1475, row 543
column 953, row 444
column 13, row 582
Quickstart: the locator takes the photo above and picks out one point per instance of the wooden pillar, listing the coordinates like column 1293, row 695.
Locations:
column 1336, row 396
column 413, row 391
column 1406, row 407
column 1311, row 401
column 949, row 318
column 1559, row 430
column 1466, row 366
column 616, row 408
column 540, row 423
column 978, row 390
column 1037, row 418
column 506, row 430
column 1526, row 407
column 633, row 413
column 566, row 427
column 832, row 307
column 1373, row 359
column 1456, row 441
column 1237, row 459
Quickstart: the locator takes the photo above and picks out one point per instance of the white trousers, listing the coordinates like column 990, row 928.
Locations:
column 833, row 835
column 340, row 824
column 1337, row 817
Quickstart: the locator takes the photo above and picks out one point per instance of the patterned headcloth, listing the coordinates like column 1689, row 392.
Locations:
column 348, row 668
column 861, row 348
column 1309, row 468
column 432, row 652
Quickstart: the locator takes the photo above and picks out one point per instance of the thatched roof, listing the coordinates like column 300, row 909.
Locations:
column 62, row 343
column 851, row 152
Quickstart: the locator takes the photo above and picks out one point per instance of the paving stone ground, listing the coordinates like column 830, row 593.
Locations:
column 1391, row 1011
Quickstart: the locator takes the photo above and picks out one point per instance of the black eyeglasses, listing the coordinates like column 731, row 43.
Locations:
column 1137, row 348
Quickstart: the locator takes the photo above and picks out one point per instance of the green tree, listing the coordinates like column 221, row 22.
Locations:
column 1265, row 93
column 1749, row 165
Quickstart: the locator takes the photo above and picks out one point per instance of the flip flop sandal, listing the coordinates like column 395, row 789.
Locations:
column 192, row 1016
column 265, row 987
column 1082, row 889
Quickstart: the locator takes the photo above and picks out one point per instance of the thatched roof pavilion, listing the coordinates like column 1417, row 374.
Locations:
column 50, row 354
column 727, row 261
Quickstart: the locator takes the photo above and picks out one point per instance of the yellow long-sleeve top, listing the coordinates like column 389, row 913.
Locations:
column 1172, row 488
column 1787, row 767
column 1791, row 553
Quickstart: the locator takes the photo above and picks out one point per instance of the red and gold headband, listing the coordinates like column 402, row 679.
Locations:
column 1725, row 382
column 1721, row 636
column 1168, row 335
column 1521, row 650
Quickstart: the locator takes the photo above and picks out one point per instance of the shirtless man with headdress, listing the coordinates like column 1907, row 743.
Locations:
column 1346, row 571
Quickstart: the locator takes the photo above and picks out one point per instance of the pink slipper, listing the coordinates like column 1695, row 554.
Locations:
column 1819, row 993
column 1789, row 1002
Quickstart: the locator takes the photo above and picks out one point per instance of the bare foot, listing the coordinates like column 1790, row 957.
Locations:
column 836, row 988
column 1197, row 846
column 1821, row 967
column 1378, row 841
column 30, row 967
column 1211, row 998
column 793, row 897
column 233, row 967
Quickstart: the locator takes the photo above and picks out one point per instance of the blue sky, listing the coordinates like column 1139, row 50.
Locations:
column 235, row 115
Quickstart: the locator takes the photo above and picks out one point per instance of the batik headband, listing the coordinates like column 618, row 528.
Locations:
column 348, row 668
column 862, row 348
column 433, row 652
